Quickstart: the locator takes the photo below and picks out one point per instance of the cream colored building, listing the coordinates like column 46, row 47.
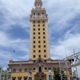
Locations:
column 39, row 65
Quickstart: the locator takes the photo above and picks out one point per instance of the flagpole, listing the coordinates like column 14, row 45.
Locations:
column 13, row 54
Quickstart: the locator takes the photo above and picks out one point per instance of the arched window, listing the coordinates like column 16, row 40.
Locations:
column 40, row 69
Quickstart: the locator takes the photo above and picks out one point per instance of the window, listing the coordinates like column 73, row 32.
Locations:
column 38, row 21
column 45, row 68
column 20, row 70
column 34, row 13
column 14, row 70
column 39, row 29
column 25, row 78
column 33, row 68
column 43, row 25
column 19, row 78
column 34, row 33
column 40, row 61
column 43, row 32
column 33, row 37
column 39, row 46
column 39, row 37
column 44, row 50
column 39, row 56
column 45, row 61
column 38, row 41
column 33, row 21
column 40, row 69
column 44, row 37
column 33, row 41
column 49, row 68
column 39, row 33
column 44, row 55
column 34, row 25
column 33, row 46
column 34, row 51
column 39, row 51
column 33, row 56
column 30, row 78
column 44, row 41
column 42, row 13
column 25, row 70
column 38, row 25
column 33, row 29
column 13, row 78
column 43, row 28
column 43, row 21
column 44, row 46
column 38, row 14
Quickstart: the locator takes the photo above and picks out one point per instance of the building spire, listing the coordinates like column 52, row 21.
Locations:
column 38, row 3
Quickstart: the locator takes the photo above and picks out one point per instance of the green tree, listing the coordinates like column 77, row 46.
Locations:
column 37, row 78
column 57, row 75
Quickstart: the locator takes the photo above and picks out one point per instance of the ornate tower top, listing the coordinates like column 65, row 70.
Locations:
column 38, row 3
column 38, row 13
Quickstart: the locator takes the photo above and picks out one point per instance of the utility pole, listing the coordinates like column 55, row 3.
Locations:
column 66, row 64
column 60, row 69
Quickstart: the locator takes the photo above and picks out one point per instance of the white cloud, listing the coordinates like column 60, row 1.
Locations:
column 60, row 12
column 70, row 43
column 15, row 12
column 5, row 56
column 12, row 44
column 7, row 45
column 6, row 41
column 3, row 38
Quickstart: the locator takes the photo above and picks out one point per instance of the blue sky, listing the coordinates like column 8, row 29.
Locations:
column 64, row 28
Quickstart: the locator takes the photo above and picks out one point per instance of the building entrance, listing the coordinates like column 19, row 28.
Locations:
column 40, row 75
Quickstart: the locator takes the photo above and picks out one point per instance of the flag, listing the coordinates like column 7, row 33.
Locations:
column 8, row 70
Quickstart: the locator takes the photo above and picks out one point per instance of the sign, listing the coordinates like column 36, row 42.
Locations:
column 8, row 70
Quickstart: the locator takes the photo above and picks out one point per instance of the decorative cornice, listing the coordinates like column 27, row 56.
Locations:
column 38, row 10
column 30, row 62
column 40, row 19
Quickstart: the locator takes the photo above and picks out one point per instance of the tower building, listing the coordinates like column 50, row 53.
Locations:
column 39, row 66
column 39, row 39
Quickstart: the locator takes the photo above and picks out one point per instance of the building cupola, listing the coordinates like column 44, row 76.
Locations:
column 38, row 3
